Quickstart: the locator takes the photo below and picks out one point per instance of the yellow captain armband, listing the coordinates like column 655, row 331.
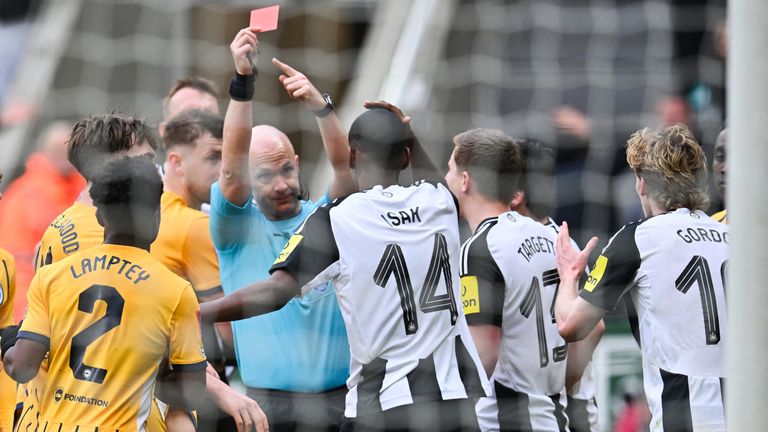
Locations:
column 469, row 295
column 597, row 273
column 288, row 248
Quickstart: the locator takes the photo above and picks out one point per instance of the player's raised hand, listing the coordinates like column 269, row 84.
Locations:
column 388, row 106
column 571, row 262
column 298, row 86
column 244, row 48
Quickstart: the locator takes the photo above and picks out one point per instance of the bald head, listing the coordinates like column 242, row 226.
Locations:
column 268, row 142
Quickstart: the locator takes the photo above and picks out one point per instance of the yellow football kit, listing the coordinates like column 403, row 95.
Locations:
column 7, row 291
column 184, row 245
column 107, row 315
column 75, row 229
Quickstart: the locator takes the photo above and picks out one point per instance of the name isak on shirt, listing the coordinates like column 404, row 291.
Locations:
column 402, row 217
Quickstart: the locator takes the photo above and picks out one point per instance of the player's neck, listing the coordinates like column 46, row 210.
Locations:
column 126, row 240
column 479, row 209
column 374, row 176
column 174, row 184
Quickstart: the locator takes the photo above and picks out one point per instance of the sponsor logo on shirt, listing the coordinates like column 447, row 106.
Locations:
column 597, row 273
column 289, row 247
column 469, row 295
column 60, row 394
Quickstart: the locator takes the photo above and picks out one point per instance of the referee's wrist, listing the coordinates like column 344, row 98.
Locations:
column 241, row 87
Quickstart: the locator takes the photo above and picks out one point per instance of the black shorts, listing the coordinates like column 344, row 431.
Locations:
column 456, row 415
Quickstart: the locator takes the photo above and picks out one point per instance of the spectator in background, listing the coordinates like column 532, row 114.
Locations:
column 49, row 185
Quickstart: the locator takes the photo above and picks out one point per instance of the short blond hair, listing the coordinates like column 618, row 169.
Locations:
column 673, row 165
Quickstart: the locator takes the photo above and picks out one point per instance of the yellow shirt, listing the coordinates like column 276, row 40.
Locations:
column 720, row 216
column 75, row 229
column 184, row 245
column 7, row 291
column 107, row 315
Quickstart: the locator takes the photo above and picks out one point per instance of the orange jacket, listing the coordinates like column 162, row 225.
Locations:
column 29, row 204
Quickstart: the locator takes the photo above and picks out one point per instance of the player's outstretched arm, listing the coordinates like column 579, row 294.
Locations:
column 580, row 353
column 335, row 141
column 422, row 165
column 262, row 297
column 234, row 178
column 244, row 411
column 575, row 316
column 21, row 357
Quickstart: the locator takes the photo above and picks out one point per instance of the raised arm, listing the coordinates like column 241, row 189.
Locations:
column 575, row 316
column 262, row 297
column 422, row 165
column 334, row 137
column 234, row 179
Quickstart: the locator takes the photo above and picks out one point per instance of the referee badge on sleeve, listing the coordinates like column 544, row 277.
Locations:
column 469, row 295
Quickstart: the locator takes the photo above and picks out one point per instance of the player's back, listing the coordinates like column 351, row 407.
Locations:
column 680, row 298
column 674, row 266
column 399, row 292
column 75, row 229
column 529, row 377
column 111, row 312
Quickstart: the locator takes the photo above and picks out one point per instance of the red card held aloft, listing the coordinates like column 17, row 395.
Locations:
column 265, row 18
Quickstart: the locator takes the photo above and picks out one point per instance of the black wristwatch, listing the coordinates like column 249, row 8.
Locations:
column 327, row 108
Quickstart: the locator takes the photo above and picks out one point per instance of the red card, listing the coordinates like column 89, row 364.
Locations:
column 265, row 18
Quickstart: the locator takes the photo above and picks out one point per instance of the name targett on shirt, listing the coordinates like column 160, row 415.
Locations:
column 535, row 245
column 133, row 272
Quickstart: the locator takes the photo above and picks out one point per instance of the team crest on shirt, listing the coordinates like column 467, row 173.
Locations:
column 58, row 394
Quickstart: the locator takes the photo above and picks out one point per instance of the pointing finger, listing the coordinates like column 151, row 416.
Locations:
column 284, row 68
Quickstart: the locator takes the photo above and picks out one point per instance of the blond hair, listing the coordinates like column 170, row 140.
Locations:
column 673, row 165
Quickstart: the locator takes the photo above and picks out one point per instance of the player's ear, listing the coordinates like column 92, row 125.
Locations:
column 99, row 216
column 517, row 200
column 641, row 187
column 466, row 181
column 296, row 160
column 406, row 158
column 352, row 157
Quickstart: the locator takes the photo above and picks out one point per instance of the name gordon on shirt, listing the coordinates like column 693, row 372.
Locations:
column 60, row 394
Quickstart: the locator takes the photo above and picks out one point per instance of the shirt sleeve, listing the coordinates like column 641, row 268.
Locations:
column 36, row 325
column 7, row 290
column 614, row 271
column 202, row 265
column 229, row 222
column 186, row 351
column 311, row 250
column 482, row 284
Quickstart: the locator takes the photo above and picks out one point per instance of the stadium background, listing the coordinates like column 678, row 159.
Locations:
column 451, row 64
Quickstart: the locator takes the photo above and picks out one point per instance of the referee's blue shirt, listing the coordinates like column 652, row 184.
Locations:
column 303, row 346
